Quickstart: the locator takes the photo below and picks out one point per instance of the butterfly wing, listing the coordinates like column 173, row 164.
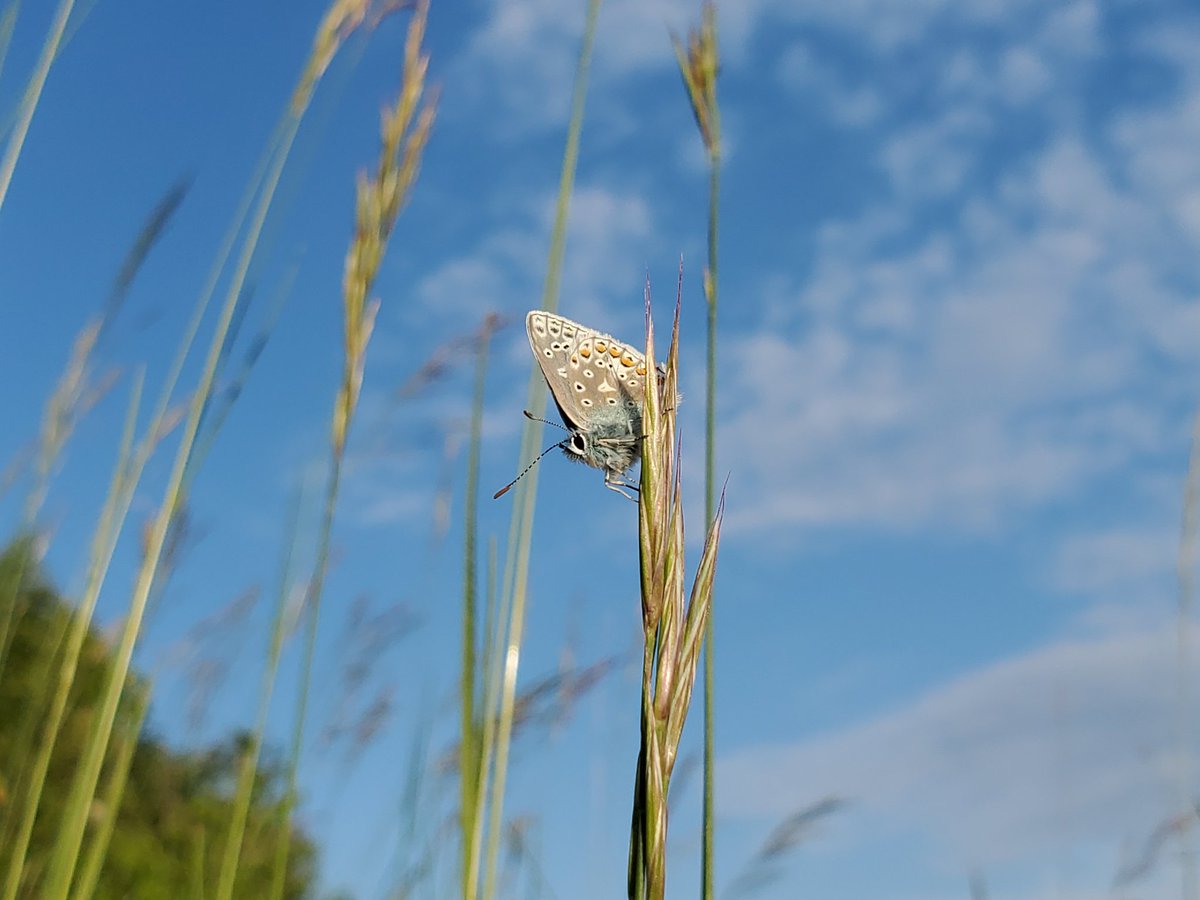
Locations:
column 589, row 373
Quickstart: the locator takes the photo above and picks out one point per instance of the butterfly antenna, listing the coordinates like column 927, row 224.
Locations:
column 504, row 490
column 534, row 418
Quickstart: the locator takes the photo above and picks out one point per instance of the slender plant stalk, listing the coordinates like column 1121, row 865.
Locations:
column 114, row 792
column 698, row 65
column 249, row 763
column 73, row 394
column 198, row 854
column 33, row 94
column 83, row 789
column 471, row 772
column 520, row 532
column 66, row 405
column 405, row 131
column 710, row 441
column 58, row 423
column 8, row 22
column 493, row 668
column 1189, row 550
column 116, row 506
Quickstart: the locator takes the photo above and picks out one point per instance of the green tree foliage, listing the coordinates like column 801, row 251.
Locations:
column 173, row 814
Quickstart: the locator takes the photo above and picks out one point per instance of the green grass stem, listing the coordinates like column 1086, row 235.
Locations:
column 8, row 22
column 404, row 132
column 699, row 63
column 113, row 794
column 472, row 775
column 33, row 93
column 83, row 789
column 116, row 506
column 520, row 532
column 63, row 410
column 248, row 767
column 1189, row 553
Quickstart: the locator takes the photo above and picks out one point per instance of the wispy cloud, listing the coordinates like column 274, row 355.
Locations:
column 1118, row 561
column 990, row 336
column 504, row 271
column 1070, row 745
column 522, row 60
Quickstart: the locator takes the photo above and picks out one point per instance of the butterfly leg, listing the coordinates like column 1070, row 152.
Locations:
column 614, row 483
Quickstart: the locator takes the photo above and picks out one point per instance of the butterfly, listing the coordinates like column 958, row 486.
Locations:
column 598, row 385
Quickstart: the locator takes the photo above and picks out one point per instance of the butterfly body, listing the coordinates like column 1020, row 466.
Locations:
column 598, row 385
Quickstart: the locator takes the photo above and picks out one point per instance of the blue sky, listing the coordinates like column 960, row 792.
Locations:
column 958, row 344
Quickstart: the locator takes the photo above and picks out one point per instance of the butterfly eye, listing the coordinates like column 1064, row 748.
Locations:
column 577, row 443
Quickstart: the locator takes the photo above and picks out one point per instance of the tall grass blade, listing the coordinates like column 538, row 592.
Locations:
column 471, row 773
column 104, row 543
column 8, row 21
column 248, row 767
column 405, row 130
column 83, row 789
column 520, row 532
column 63, row 411
column 33, row 93
column 699, row 63
column 1189, row 552
column 113, row 795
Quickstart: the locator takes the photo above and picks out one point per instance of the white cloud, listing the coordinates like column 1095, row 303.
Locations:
column 606, row 230
column 803, row 72
column 893, row 27
column 999, row 361
column 934, row 158
column 1116, row 561
column 1157, row 141
column 1024, row 75
column 522, row 60
column 1071, row 745
column 984, row 339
